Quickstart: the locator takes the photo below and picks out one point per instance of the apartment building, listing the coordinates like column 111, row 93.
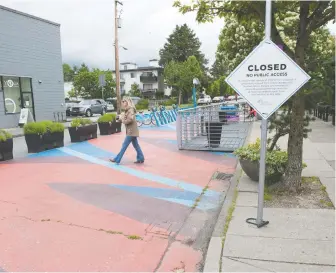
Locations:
column 149, row 78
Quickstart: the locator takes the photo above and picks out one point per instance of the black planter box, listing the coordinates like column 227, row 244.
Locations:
column 214, row 133
column 53, row 140
column 251, row 169
column 34, row 143
column 39, row 143
column 83, row 133
column 6, row 149
column 107, row 128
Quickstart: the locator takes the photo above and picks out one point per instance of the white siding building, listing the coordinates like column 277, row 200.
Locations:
column 149, row 78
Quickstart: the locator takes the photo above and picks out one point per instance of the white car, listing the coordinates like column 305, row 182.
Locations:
column 109, row 106
column 218, row 99
column 205, row 100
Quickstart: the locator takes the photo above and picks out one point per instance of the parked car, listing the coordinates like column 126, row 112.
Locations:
column 205, row 100
column 109, row 106
column 68, row 106
column 218, row 99
column 88, row 108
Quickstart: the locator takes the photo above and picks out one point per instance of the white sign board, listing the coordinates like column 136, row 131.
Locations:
column 267, row 78
column 25, row 116
column 102, row 81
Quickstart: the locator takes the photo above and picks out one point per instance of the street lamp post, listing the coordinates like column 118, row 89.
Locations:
column 195, row 82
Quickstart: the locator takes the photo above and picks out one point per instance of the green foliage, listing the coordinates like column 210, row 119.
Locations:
column 180, row 45
column 169, row 102
column 78, row 122
column 159, row 95
column 4, row 135
column 86, row 83
column 43, row 127
column 135, row 90
column 68, row 73
column 142, row 104
column 55, row 127
column 107, row 118
column 276, row 160
column 279, row 123
column 220, row 88
column 180, row 75
column 32, row 128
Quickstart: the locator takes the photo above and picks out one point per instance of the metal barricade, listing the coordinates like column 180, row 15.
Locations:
column 208, row 128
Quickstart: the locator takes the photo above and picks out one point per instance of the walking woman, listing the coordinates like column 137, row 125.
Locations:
column 132, row 132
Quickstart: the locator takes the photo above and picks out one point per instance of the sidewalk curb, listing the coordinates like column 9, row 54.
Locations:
column 214, row 252
column 215, row 248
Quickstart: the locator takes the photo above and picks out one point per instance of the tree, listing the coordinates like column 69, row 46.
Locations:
column 135, row 90
column 180, row 76
column 87, row 83
column 180, row 45
column 236, row 41
column 220, row 88
column 110, row 87
column 68, row 73
column 294, row 25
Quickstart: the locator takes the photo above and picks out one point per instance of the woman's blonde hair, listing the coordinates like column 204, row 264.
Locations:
column 129, row 102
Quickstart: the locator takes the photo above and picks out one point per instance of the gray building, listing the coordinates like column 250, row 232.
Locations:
column 31, row 73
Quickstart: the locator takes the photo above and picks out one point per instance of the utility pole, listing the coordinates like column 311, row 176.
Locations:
column 116, row 48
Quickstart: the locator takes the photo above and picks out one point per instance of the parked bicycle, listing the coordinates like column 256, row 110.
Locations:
column 146, row 118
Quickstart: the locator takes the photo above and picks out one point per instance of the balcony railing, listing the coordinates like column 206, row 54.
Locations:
column 148, row 78
column 149, row 90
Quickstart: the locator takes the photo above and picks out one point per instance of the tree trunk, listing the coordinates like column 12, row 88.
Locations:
column 295, row 138
column 179, row 97
column 294, row 148
column 274, row 141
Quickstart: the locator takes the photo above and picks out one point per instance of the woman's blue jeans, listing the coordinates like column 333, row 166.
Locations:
column 135, row 143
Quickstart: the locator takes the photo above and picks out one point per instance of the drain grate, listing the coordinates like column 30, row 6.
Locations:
column 221, row 176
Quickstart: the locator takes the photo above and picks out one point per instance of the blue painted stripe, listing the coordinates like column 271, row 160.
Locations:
column 159, row 192
column 185, row 198
column 189, row 203
column 140, row 174
column 49, row 153
column 90, row 149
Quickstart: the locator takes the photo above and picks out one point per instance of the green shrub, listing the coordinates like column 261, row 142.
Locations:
column 38, row 128
column 86, row 121
column 77, row 122
column 169, row 102
column 107, row 118
column 4, row 135
column 55, row 127
column 276, row 160
column 142, row 104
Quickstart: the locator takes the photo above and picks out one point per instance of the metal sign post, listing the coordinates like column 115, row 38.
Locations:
column 102, row 83
column 263, row 139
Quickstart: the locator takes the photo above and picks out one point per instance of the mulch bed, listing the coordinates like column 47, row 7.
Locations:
column 312, row 195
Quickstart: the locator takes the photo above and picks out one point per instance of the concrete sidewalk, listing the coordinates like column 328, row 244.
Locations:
column 295, row 239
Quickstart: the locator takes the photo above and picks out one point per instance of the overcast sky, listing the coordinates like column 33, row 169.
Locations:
column 87, row 28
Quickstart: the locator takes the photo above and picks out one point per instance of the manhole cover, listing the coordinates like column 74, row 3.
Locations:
column 221, row 176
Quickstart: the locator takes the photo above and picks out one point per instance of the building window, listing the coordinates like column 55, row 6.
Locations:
column 132, row 75
column 12, row 95
column 17, row 94
column 148, row 87
column 125, row 67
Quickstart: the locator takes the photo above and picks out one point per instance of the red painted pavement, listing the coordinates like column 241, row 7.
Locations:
column 53, row 219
